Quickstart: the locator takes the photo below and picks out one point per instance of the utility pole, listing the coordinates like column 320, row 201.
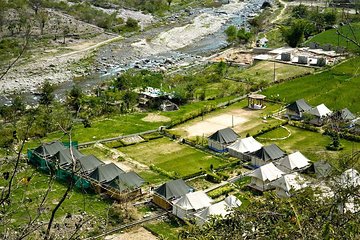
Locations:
column 274, row 78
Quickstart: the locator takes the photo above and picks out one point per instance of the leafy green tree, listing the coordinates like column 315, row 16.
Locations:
column 294, row 34
column 300, row 12
column 46, row 93
column 231, row 33
column 243, row 36
column 74, row 98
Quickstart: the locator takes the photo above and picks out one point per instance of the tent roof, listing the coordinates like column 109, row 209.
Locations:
column 299, row 106
column 88, row 163
column 244, row 145
column 173, row 189
column 268, row 153
column 106, row 172
column 347, row 115
column 294, row 161
column 232, row 201
column 220, row 208
column 350, row 177
column 267, row 172
column 322, row 168
column 64, row 156
column 49, row 149
column 194, row 200
column 125, row 181
column 289, row 182
column 226, row 135
column 320, row 111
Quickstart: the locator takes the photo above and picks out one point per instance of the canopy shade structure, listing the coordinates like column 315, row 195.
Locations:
column 173, row 189
column 65, row 156
column 245, row 145
column 294, row 161
column 287, row 183
column 126, row 181
column 256, row 101
column 87, row 164
column 106, row 173
column 320, row 111
column 226, row 135
column 49, row 149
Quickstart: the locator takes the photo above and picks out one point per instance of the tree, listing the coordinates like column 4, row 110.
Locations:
column 66, row 31
column 74, row 97
column 130, row 100
column 243, row 35
column 231, row 33
column 300, row 11
column 169, row 2
column 47, row 93
column 43, row 18
column 35, row 5
column 294, row 35
column 132, row 23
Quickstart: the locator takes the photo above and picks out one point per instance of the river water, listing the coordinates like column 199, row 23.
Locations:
column 117, row 57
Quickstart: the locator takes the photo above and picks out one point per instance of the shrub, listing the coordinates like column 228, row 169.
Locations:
column 161, row 171
column 212, row 177
column 220, row 191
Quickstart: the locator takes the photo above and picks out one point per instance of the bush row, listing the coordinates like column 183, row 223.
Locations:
column 172, row 174
column 343, row 135
column 304, row 126
column 265, row 130
column 220, row 191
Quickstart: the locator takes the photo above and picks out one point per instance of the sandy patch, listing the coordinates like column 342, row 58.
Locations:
column 211, row 125
column 135, row 234
column 121, row 165
column 153, row 117
column 134, row 139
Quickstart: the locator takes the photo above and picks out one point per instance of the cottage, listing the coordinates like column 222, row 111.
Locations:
column 189, row 204
column 262, row 177
column 296, row 109
column 170, row 191
column 221, row 139
column 242, row 147
column 266, row 154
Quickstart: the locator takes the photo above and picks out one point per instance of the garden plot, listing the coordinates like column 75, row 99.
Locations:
column 133, row 139
column 172, row 157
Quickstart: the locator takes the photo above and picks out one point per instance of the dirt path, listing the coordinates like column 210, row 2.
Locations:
column 282, row 13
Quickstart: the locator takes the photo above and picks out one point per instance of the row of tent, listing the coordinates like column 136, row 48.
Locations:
column 186, row 203
column 297, row 109
column 87, row 170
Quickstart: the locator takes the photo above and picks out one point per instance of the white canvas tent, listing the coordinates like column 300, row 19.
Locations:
column 320, row 111
column 187, row 205
column 264, row 175
column 245, row 145
column 287, row 183
column 218, row 209
column 293, row 162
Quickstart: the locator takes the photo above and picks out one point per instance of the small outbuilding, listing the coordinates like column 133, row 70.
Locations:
column 296, row 109
column 262, row 177
column 266, row 154
column 221, row 139
column 170, row 191
column 242, row 147
column 256, row 101
column 189, row 204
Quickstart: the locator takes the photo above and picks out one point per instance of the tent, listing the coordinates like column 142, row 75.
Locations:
column 217, row 209
column 232, row 201
column 219, row 140
column 187, row 205
column 264, row 175
column 106, row 172
column 266, row 154
column 245, row 145
column 88, row 164
column 293, row 162
column 322, row 169
column 170, row 191
column 297, row 108
column 288, row 183
column 320, row 111
column 347, row 115
column 65, row 156
column 126, row 181
column 49, row 149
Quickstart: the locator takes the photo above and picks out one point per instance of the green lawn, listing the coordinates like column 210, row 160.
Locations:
column 311, row 144
column 337, row 88
column 153, row 177
column 171, row 156
column 264, row 71
column 331, row 37
column 168, row 229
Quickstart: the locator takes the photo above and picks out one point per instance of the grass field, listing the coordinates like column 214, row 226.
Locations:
column 264, row 71
column 311, row 144
column 337, row 87
column 171, row 156
column 168, row 229
column 331, row 37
